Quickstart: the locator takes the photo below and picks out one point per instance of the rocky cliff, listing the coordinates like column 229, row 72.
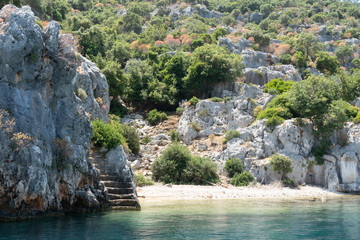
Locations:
column 257, row 143
column 48, row 93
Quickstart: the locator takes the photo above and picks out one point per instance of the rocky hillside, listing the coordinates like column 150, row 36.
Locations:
column 48, row 93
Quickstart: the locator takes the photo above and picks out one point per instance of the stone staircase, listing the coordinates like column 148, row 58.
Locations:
column 121, row 189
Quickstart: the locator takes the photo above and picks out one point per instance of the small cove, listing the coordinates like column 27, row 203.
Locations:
column 203, row 219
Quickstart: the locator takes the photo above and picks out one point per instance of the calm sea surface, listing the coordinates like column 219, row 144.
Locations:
column 208, row 219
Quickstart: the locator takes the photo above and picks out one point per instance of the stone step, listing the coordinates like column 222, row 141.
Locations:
column 121, row 196
column 125, row 202
column 116, row 184
column 109, row 178
column 120, row 190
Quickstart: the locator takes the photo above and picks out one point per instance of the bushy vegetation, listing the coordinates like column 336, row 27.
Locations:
column 242, row 179
column 281, row 165
column 231, row 134
column 113, row 133
column 177, row 165
column 279, row 85
column 233, row 166
column 155, row 117
column 107, row 135
column 174, row 136
column 142, row 181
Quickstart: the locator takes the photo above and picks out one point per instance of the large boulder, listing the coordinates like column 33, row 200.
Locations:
column 255, row 59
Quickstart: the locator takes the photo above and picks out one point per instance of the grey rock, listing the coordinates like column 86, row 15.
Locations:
column 40, row 78
column 255, row 59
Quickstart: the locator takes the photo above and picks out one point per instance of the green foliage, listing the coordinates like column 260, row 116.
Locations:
column 216, row 99
column 233, row 166
column 279, row 85
column 281, row 164
column 177, row 165
column 260, row 38
column 289, row 182
column 220, row 32
column 356, row 119
column 155, row 117
column 300, row 59
column 285, row 59
column 193, row 101
column 81, row 94
column 320, row 150
column 142, row 181
column 210, row 65
column 196, row 126
column 344, row 53
column 231, row 134
column 180, row 110
column 146, row 139
column 274, row 121
column 198, row 42
column 326, row 63
column 132, row 138
column 257, row 111
column 242, row 179
column 200, row 171
column 107, row 135
column 174, row 136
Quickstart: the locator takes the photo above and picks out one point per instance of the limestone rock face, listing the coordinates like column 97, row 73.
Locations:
column 209, row 117
column 237, row 48
column 257, row 143
column 262, row 75
column 176, row 13
column 50, row 91
column 255, row 59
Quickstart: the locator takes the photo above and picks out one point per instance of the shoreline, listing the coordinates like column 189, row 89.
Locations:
column 159, row 192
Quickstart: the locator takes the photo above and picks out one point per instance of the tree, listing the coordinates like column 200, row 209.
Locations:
column 210, row 65
column 132, row 22
column 326, row 63
column 281, row 165
column 307, row 43
column 344, row 53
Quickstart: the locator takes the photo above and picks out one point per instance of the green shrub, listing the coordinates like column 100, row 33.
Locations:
column 193, row 101
column 242, row 179
column 273, row 122
column 174, row 136
column 356, row 120
column 257, row 111
column 231, row 134
column 285, row 59
column 156, row 117
column 279, row 85
column 320, row 150
column 146, row 139
column 234, row 165
column 226, row 99
column 204, row 113
column 132, row 138
column 281, row 164
column 274, row 112
column 289, row 182
column 200, row 171
column 180, row 110
column 196, row 126
column 107, row 135
column 170, row 165
column 177, row 165
column 141, row 180
column 216, row 99
column 81, row 94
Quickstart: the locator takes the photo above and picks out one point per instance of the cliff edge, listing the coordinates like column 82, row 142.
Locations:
column 48, row 93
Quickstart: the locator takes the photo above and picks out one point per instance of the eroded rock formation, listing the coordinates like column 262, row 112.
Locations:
column 49, row 93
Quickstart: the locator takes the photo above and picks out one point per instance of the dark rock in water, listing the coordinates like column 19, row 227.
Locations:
column 50, row 92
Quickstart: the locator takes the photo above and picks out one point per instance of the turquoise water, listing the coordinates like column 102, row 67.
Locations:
column 210, row 219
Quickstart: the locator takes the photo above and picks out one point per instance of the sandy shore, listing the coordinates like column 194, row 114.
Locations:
column 273, row 191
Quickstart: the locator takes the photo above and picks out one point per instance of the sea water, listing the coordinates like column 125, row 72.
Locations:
column 203, row 219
